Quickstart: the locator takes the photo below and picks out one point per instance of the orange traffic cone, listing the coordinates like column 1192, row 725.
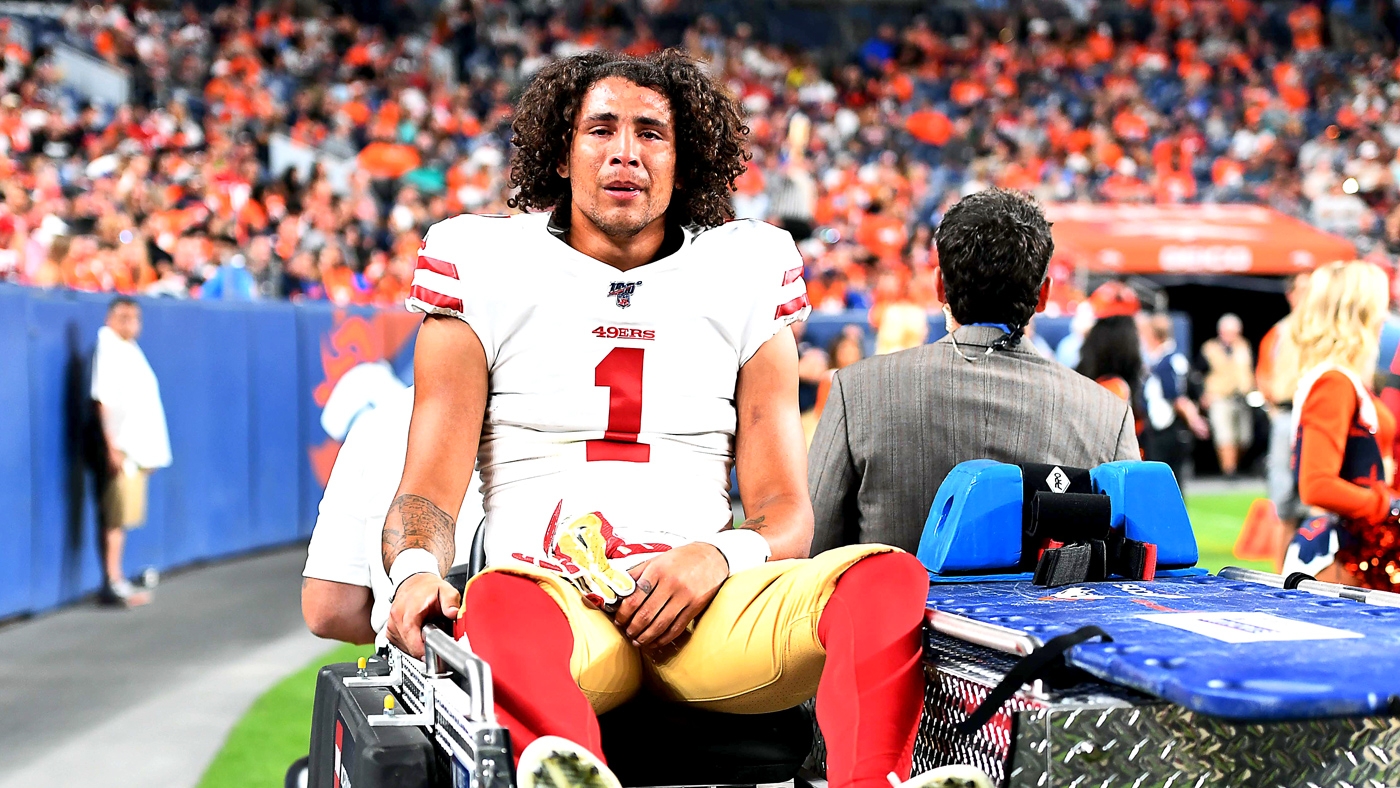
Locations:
column 1259, row 533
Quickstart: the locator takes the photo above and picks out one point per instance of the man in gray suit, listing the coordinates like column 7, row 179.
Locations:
column 895, row 425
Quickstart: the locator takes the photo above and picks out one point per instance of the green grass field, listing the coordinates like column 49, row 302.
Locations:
column 276, row 729
column 1217, row 520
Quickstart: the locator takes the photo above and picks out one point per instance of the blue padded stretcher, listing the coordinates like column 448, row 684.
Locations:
column 1217, row 646
column 974, row 528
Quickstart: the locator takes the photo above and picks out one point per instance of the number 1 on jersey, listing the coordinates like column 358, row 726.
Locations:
column 620, row 372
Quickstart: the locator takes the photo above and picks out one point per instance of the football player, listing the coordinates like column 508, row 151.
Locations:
column 608, row 362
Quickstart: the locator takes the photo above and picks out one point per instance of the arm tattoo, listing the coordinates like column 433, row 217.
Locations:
column 416, row 522
column 755, row 523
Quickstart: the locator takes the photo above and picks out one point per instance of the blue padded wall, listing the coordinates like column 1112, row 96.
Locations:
column 238, row 382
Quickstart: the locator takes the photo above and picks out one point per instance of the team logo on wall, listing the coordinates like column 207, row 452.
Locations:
column 623, row 292
column 358, row 353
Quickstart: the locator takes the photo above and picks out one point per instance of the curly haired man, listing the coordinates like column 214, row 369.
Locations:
column 607, row 363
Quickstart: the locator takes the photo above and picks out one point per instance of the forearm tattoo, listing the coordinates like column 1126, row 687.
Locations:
column 416, row 522
column 755, row 523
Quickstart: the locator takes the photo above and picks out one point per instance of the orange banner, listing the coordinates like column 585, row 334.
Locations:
column 1190, row 239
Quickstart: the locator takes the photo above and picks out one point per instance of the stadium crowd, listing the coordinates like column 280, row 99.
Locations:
column 1134, row 101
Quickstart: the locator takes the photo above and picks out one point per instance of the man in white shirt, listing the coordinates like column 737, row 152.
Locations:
column 345, row 591
column 127, row 398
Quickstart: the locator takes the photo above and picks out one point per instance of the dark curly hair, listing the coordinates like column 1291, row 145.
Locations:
column 994, row 247
column 710, row 152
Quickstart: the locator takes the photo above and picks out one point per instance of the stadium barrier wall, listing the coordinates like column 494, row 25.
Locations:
column 243, row 385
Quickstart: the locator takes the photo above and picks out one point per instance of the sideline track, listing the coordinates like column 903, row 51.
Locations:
column 103, row 696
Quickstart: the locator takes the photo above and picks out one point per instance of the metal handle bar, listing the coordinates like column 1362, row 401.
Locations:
column 1367, row 596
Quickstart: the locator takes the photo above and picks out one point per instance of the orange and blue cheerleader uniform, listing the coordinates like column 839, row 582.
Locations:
column 1344, row 436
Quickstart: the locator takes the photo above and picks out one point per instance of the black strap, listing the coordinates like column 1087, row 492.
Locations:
column 1098, row 561
column 1134, row 560
column 1291, row 582
column 1029, row 668
column 1070, row 517
column 1095, row 560
column 1062, row 566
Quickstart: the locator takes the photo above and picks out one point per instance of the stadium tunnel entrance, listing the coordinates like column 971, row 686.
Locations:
column 1259, row 302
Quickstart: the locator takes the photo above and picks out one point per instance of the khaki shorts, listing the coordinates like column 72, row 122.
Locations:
column 1231, row 422
column 124, row 499
column 761, row 626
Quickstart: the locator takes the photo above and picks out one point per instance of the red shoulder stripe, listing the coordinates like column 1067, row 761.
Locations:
column 792, row 306
column 437, row 266
column 792, row 275
column 436, row 299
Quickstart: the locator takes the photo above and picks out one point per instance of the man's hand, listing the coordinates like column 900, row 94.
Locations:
column 672, row 589
column 115, row 458
column 1198, row 426
column 422, row 597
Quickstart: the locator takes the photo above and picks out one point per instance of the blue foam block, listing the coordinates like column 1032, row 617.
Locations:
column 1350, row 672
column 1146, row 503
column 975, row 521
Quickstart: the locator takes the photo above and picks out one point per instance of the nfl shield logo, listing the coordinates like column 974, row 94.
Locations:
column 623, row 291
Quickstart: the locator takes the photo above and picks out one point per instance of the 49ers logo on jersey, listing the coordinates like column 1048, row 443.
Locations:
column 623, row 292
column 617, row 332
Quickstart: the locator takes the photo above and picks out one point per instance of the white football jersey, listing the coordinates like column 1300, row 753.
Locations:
column 610, row 391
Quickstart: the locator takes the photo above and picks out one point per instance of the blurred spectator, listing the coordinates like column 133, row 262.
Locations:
column 1172, row 418
column 1037, row 341
column 1276, row 375
column 1229, row 377
column 792, row 198
column 127, row 398
column 1067, row 352
column 813, row 371
column 845, row 349
column 1111, row 355
column 1340, row 211
column 1150, row 103
column 899, row 323
column 169, row 282
column 231, row 282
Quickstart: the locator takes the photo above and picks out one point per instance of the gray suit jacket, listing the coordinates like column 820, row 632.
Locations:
column 895, row 425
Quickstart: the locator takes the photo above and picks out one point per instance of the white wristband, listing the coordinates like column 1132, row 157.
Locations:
column 409, row 563
column 742, row 548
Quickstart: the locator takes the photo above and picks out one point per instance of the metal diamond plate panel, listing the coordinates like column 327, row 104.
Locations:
column 1091, row 734
column 958, row 678
column 1164, row 746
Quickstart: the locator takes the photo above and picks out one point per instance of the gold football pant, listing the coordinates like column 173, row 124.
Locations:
column 846, row 625
column 754, row 649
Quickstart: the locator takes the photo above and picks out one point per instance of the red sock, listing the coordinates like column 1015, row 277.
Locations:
column 515, row 626
column 872, row 687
